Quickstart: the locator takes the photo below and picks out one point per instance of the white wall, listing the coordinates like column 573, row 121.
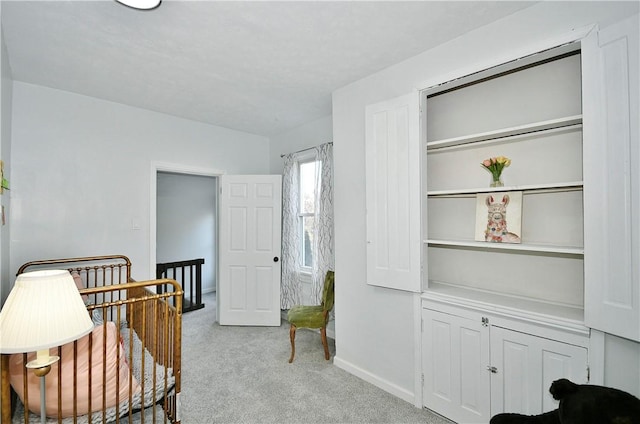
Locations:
column 81, row 170
column 375, row 326
column 186, row 223
column 311, row 134
column 6, row 89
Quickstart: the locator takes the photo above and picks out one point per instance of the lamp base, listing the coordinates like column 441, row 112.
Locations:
column 41, row 367
column 42, row 371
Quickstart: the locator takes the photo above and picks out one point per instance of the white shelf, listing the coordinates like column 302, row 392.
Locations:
column 559, row 315
column 498, row 135
column 483, row 245
column 561, row 186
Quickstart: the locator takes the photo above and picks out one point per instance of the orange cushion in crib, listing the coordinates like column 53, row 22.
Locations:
column 99, row 386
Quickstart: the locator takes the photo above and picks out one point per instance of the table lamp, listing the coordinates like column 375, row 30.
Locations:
column 43, row 310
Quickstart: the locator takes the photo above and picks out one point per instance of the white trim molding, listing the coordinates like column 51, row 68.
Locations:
column 375, row 380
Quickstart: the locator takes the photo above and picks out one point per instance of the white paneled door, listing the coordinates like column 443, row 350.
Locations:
column 456, row 356
column 611, row 75
column 526, row 365
column 250, row 244
column 393, row 193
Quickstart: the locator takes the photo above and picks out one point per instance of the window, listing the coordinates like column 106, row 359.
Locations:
column 309, row 180
column 307, row 224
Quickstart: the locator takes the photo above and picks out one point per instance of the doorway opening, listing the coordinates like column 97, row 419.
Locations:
column 184, row 227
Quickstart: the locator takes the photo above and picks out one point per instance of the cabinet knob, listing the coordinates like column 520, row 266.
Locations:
column 493, row 370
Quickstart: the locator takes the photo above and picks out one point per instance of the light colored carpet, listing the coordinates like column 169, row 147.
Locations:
column 242, row 375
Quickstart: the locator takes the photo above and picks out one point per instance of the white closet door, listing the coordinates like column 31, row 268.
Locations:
column 524, row 368
column 393, row 193
column 611, row 179
column 456, row 356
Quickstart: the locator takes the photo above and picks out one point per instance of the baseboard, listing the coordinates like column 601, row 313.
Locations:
column 375, row 380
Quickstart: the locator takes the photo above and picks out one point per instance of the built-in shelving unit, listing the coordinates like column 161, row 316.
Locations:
column 482, row 298
column 501, row 321
column 546, row 153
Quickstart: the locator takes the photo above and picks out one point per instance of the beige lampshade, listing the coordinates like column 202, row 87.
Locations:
column 43, row 310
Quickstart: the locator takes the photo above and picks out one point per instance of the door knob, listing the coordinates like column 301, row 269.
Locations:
column 276, row 259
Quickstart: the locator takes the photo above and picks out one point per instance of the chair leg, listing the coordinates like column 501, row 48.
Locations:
column 292, row 336
column 323, row 336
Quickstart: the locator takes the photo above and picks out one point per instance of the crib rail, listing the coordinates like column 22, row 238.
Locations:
column 95, row 271
column 189, row 275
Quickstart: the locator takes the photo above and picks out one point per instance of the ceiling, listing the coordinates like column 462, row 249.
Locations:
column 261, row 67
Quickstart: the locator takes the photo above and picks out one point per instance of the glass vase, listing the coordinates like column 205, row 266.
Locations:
column 496, row 181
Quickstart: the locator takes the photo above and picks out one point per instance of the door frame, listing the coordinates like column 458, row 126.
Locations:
column 153, row 194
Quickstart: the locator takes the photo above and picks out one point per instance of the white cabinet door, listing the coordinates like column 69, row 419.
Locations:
column 524, row 368
column 611, row 79
column 393, row 193
column 456, row 356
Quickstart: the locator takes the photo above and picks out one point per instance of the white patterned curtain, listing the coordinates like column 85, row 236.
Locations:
column 291, row 291
column 322, row 244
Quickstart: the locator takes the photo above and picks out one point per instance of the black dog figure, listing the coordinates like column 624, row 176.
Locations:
column 582, row 404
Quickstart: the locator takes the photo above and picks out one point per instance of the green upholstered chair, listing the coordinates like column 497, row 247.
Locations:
column 316, row 316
